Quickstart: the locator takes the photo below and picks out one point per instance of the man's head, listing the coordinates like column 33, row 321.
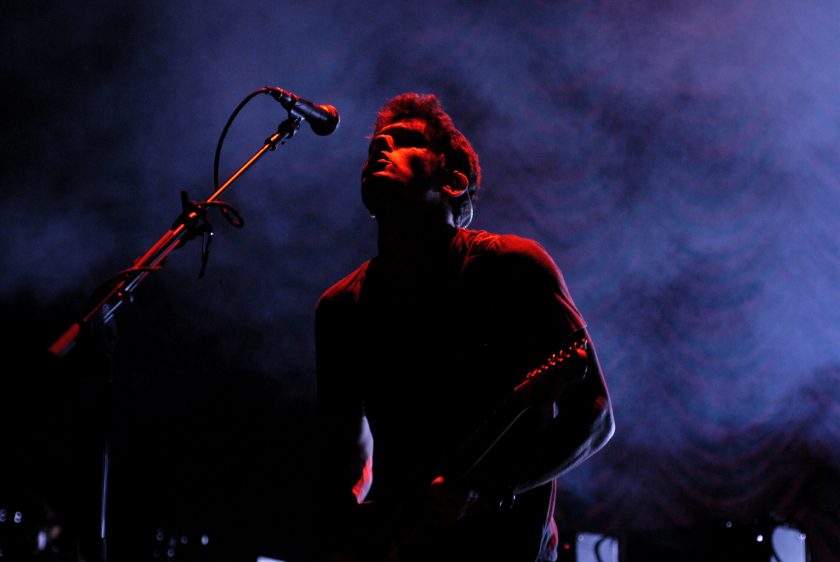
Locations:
column 416, row 152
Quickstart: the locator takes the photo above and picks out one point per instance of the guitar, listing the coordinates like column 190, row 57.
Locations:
column 543, row 384
column 424, row 522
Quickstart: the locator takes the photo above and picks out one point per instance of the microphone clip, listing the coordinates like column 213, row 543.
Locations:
column 194, row 219
column 286, row 130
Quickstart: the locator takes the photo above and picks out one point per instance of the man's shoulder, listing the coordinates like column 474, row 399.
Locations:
column 346, row 289
column 479, row 243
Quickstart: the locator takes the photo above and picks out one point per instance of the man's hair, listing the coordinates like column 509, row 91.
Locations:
column 446, row 139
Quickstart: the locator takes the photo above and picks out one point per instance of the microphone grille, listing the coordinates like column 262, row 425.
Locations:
column 329, row 124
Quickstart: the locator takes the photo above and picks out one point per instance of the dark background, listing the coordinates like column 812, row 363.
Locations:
column 678, row 160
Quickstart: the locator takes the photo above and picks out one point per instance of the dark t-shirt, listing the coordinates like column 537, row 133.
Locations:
column 427, row 362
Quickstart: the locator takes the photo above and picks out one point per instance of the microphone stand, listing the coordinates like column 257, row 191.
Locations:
column 187, row 225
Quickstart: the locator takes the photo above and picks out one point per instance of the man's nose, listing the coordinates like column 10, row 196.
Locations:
column 382, row 143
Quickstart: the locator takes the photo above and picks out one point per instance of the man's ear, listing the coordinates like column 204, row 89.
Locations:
column 457, row 185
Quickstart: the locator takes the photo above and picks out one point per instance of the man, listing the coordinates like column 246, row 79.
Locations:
column 419, row 352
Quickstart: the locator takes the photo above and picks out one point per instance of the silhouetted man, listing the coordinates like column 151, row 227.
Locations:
column 431, row 453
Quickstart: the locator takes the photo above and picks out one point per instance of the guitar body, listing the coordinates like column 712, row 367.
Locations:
column 441, row 524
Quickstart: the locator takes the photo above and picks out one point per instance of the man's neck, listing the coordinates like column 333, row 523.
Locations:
column 409, row 248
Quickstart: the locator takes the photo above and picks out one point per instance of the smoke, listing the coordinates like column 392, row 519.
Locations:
column 679, row 161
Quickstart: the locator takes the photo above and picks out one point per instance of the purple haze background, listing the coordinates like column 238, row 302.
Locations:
column 679, row 161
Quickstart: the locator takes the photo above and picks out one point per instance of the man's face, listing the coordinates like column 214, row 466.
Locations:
column 401, row 161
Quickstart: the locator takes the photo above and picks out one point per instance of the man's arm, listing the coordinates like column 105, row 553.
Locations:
column 345, row 470
column 559, row 430
column 565, row 432
column 555, row 419
column 346, row 441
column 347, row 460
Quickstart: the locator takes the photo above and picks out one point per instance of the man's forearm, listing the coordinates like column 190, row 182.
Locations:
column 559, row 455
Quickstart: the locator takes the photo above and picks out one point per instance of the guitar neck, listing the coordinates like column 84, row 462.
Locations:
column 541, row 385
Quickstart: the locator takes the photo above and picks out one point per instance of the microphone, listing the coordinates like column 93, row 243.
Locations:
column 323, row 119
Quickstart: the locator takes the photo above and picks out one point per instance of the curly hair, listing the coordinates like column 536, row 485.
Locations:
column 445, row 138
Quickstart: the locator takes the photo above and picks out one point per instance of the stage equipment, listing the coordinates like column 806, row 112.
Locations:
column 193, row 221
column 29, row 529
column 588, row 547
column 96, row 323
column 766, row 540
